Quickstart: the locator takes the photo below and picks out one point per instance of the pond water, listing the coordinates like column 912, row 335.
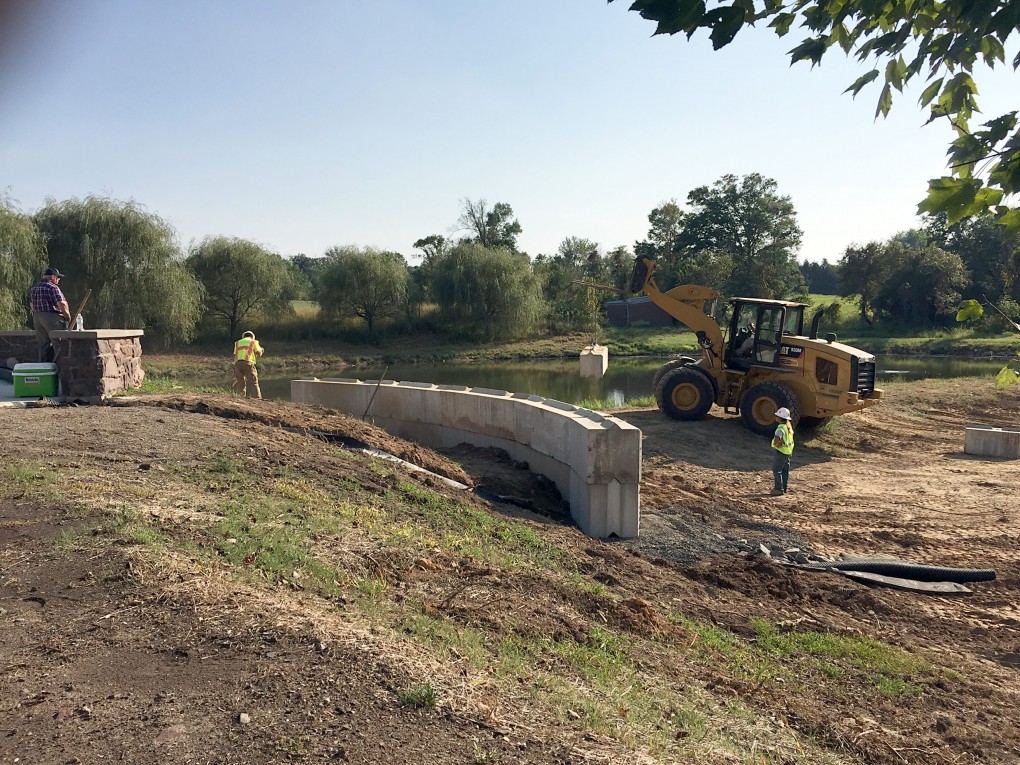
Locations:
column 627, row 378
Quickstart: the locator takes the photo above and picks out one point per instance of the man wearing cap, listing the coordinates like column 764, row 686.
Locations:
column 782, row 442
column 246, row 377
column 50, row 311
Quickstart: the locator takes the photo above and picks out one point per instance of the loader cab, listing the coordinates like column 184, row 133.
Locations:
column 757, row 328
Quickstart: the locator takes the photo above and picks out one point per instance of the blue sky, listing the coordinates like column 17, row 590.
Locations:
column 303, row 125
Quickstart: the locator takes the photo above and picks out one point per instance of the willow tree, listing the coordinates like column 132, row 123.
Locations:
column 367, row 283
column 22, row 259
column 130, row 260
column 240, row 279
column 488, row 292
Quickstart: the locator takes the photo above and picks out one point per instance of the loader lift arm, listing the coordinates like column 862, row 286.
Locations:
column 686, row 304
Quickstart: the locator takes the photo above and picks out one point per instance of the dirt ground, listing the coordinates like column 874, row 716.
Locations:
column 111, row 658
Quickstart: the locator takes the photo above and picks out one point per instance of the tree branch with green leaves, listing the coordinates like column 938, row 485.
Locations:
column 938, row 42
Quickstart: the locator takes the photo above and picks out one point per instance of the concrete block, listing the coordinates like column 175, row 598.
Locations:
column 490, row 392
column 544, row 429
column 990, row 441
column 594, row 361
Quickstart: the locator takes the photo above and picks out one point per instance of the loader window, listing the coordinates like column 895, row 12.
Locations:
column 743, row 326
column 770, row 334
column 826, row 372
column 794, row 324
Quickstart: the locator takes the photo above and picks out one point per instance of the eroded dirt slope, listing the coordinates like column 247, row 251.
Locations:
column 110, row 651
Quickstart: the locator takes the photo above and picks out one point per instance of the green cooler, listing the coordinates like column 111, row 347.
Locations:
column 35, row 379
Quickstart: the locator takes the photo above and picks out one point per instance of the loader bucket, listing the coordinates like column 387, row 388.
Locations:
column 639, row 275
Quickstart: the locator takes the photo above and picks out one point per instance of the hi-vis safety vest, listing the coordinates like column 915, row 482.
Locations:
column 785, row 435
column 247, row 349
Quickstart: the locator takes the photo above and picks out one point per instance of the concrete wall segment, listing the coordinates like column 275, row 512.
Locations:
column 593, row 459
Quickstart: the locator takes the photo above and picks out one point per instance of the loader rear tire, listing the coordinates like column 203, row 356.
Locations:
column 759, row 405
column 684, row 393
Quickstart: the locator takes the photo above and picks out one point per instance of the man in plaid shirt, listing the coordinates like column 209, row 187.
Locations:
column 50, row 311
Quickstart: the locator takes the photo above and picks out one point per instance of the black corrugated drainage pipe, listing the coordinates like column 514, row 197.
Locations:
column 916, row 571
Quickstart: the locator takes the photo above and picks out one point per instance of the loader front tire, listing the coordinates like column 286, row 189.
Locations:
column 759, row 405
column 668, row 367
column 684, row 393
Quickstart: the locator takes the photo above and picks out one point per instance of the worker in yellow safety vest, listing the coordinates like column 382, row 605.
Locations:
column 246, row 377
column 782, row 442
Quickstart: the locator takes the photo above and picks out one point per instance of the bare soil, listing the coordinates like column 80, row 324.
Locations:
column 114, row 655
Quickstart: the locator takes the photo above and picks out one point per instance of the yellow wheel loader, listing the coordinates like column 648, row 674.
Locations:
column 766, row 363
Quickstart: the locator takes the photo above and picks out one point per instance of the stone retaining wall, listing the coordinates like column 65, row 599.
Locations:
column 92, row 364
column 594, row 460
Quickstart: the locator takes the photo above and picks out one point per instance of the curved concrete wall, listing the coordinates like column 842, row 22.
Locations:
column 594, row 460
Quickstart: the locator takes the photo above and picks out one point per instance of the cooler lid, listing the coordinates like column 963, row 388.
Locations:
column 34, row 368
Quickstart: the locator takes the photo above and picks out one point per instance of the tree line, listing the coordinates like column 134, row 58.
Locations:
column 739, row 235
column 918, row 278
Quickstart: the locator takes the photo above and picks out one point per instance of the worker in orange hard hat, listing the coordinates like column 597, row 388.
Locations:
column 246, row 378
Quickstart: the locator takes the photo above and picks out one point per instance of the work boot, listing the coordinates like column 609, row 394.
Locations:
column 777, row 492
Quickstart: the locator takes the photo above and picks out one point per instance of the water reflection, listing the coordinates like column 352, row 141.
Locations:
column 627, row 378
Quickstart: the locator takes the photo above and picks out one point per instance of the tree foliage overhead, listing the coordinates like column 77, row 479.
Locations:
column 240, row 279
column 22, row 260
column 367, row 283
column 937, row 41
column 130, row 260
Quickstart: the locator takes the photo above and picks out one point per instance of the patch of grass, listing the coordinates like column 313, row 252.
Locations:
column 163, row 385
column 27, row 478
column 604, row 404
column 372, row 589
column 464, row 643
column 648, row 341
column 864, row 652
column 642, row 401
column 596, row 404
column 772, row 655
column 832, row 425
column 69, row 541
column 480, row 755
column 294, row 746
column 260, row 531
column 421, row 695
column 224, row 465
column 468, row 530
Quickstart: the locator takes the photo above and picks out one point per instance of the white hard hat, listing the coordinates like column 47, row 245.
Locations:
column 783, row 413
